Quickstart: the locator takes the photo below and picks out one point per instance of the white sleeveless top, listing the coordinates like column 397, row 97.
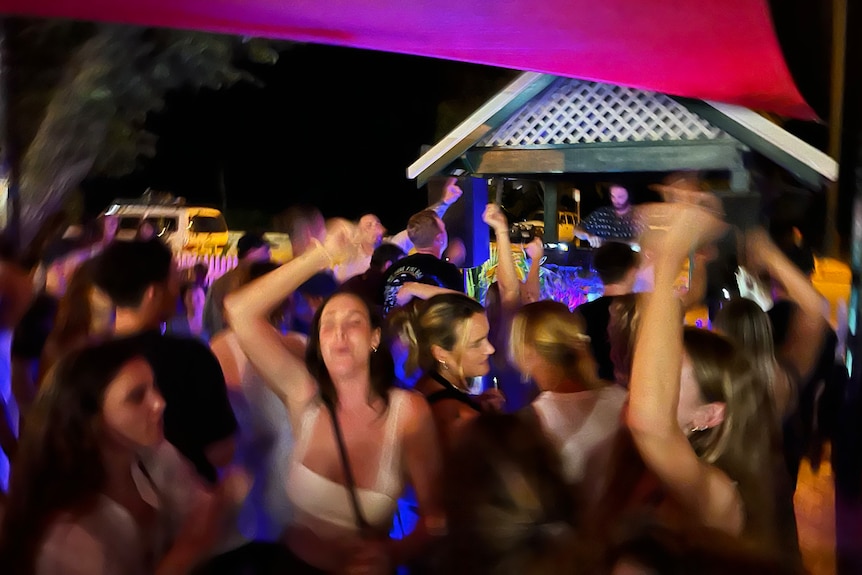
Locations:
column 324, row 506
column 582, row 425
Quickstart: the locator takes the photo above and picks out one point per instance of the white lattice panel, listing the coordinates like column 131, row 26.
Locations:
column 578, row 112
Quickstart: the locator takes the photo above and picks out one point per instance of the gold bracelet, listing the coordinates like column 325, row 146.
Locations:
column 320, row 245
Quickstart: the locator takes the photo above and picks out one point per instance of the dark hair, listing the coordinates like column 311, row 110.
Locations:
column 74, row 314
column 506, row 500
column 58, row 467
column 381, row 367
column 385, row 252
column 613, row 260
column 126, row 269
column 260, row 269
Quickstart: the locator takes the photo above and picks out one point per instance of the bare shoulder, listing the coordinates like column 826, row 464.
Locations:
column 413, row 408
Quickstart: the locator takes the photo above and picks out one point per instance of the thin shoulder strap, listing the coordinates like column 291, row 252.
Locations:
column 391, row 444
column 361, row 522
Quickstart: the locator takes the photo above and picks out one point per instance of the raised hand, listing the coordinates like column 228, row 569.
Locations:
column 679, row 226
column 495, row 218
column 342, row 241
column 535, row 249
column 451, row 191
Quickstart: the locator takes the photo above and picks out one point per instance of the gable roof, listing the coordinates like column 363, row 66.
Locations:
column 565, row 113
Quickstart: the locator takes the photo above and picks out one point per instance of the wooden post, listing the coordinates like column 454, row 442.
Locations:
column 551, row 210
column 831, row 245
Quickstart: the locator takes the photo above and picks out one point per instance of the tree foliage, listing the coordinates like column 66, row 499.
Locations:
column 79, row 94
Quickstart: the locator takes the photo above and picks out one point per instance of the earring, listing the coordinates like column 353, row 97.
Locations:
column 373, row 349
column 443, row 365
column 697, row 428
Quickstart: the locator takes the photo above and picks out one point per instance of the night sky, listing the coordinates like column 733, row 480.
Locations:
column 333, row 127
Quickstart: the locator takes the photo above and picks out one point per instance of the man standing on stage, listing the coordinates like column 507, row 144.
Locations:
column 615, row 222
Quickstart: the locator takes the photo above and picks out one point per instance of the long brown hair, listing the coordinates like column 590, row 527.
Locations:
column 744, row 444
column 381, row 366
column 59, row 468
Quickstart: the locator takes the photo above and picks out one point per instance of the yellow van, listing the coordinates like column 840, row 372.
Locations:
column 190, row 229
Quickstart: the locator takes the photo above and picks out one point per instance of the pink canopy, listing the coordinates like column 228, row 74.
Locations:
column 724, row 50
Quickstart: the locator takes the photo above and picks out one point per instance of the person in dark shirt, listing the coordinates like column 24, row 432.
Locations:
column 428, row 234
column 615, row 222
column 617, row 266
column 142, row 281
column 369, row 285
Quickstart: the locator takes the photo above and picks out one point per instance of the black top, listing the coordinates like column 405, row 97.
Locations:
column 449, row 391
column 30, row 334
column 597, row 315
column 605, row 223
column 421, row 268
column 197, row 410
column 369, row 286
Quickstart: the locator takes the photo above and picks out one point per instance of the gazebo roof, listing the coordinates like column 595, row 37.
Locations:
column 547, row 124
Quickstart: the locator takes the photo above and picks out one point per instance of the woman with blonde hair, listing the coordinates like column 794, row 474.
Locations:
column 576, row 409
column 448, row 340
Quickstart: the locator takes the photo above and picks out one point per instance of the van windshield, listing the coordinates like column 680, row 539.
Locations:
column 160, row 224
column 207, row 224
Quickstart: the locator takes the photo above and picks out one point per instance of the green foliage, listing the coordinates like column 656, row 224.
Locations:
column 79, row 95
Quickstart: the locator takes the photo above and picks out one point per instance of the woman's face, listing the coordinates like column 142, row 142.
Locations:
column 132, row 407
column 346, row 335
column 476, row 348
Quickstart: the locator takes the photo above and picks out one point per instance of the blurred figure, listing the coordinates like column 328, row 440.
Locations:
column 576, row 409
column 456, row 252
column 304, row 224
column 84, row 315
column 250, row 248
column 371, row 234
column 369, row 285
column 96, row 488
column 617, row 266
column 509, row 508
column 141, row 279
column 190, row 321
column 699, row 419
column 358, row 439
column 428, row 233
column 615, row 222
column 265, row 440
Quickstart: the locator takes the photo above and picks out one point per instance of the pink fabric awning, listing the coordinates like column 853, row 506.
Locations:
column 723, row 50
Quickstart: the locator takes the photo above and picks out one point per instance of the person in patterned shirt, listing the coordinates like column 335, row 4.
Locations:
column 615, row 222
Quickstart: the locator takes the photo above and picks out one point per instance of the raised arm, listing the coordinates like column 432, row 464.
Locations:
column 531, row 290
column 808, row 325
column 654, row 390
column 248, row 310
column 451, row 193
column 507, row 275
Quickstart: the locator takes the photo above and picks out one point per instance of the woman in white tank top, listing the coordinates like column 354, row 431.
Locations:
column 579, row 412
column 388, row 434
